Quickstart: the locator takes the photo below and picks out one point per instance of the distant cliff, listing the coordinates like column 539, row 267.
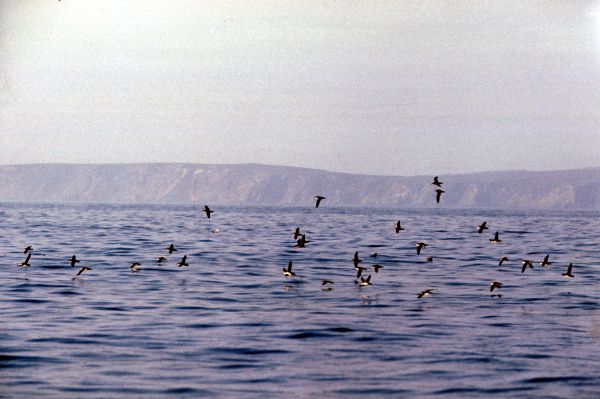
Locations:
column 253, row 184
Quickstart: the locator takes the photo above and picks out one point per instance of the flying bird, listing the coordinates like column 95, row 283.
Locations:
column 160, row 259
column 74, row 260
column 482, row 227
column 183, row 261
column 430, row 259
column 301, row 243
column 83, row 269
column 438, row 195
column 495, row 284
column 356, row 260
column 425, row 293
column 526, row 263
column 171, row 249
column 296, row 233
column 376, row 267
column 26, row 261
column 420, row 245
column 569, row 269
column 545, row 262
column 207, row 211
column 399, row 228
column 436, row 182
column 364, row 281
column 359, row 270
column 496, row 238
column 27, row 249
column 326, row 282
column 318, row 198
column 135, row 267
column 288, row 272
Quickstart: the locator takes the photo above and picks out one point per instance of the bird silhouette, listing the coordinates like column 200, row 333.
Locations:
column 288, row 272
column 436, row 182
column 318, row 199
column 207, row 211
column 496, row 239
column 545, row 262
column 438, row 195
column 26, row 261
column 569, row 270
column 495, row 284
column 481, row 227
column 425, row 293
column 502, row 260
column 420, row 246
column 83, row 269
column 526, row 263
column 73, row 260
column 399, row 228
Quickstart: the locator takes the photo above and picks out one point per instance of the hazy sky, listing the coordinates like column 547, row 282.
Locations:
column 390, row 87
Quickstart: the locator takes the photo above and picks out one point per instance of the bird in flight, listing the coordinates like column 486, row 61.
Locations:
column 425, row 293
column 183, row 261
column 502, row 260
column 526, row 263
column 160, row 259
column 376, row 267
column 296, row 233
column 83, row 269
column 288, row 272
column 74, row 260
column 495, row 284
column 364, row 281
column 436, row 182
column 569, row 270
column 171, row 249
column 135, row 267
column 27, row 249
column 26, row 261
column 207, row 211
column 399, row 228
column 545, row 262
column 438, row 195
column 496, row 238
column 420, row 246
column 481, row 227
column 326, row 282
column 318, row 198
column 356, row 260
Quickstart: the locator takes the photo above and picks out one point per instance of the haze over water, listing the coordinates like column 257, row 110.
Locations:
column 231, row 325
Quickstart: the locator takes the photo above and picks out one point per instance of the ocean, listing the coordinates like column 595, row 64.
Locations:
column 231, row 325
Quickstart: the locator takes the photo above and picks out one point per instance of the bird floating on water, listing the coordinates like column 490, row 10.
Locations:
column 569, row 270
column 288, row 272
column 318, row 199
column 425, row 293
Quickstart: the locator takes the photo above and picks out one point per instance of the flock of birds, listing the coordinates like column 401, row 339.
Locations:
column 301, row 242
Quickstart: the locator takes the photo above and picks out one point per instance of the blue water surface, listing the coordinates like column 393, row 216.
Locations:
column 231, row 325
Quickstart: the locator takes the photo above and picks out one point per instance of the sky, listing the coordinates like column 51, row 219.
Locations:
column 372, row 87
